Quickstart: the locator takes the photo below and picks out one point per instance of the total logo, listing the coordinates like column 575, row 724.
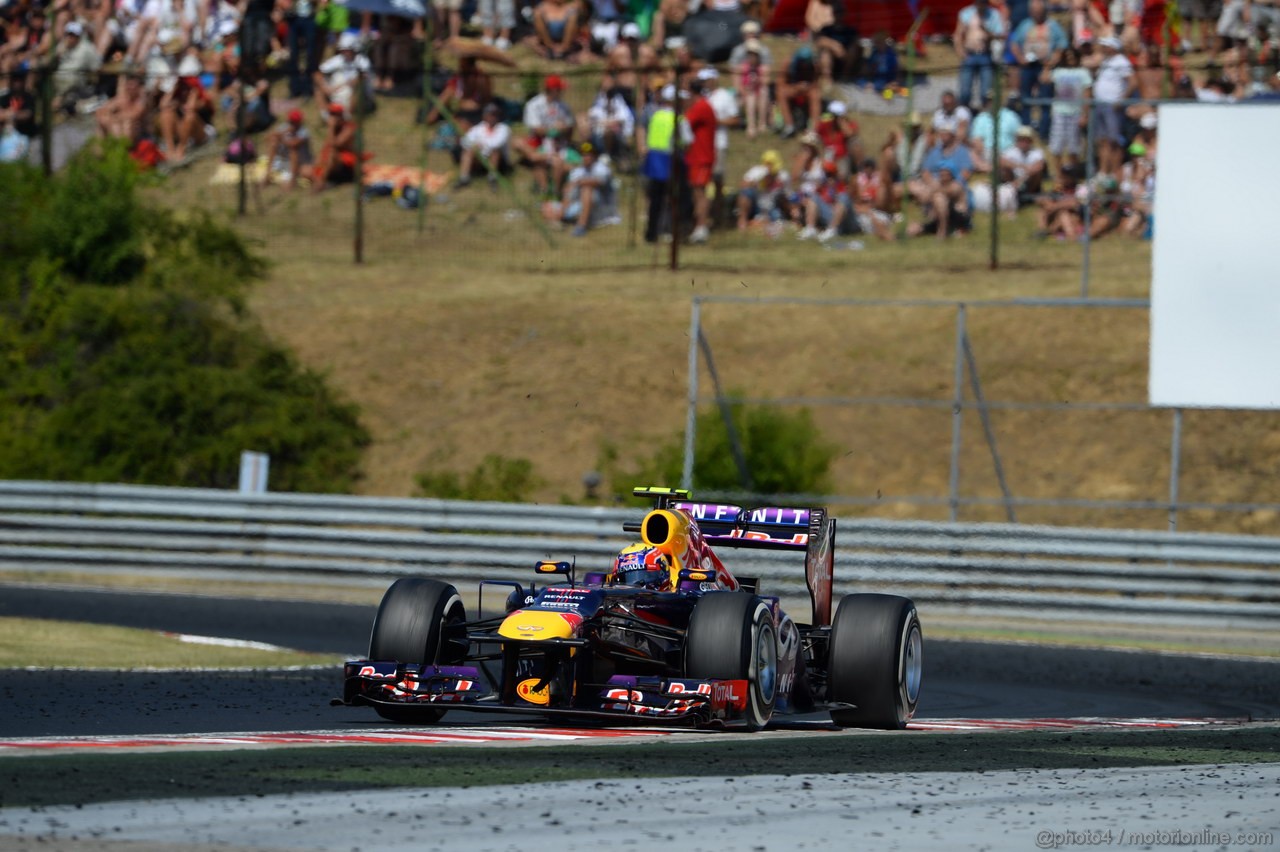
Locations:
column 727, row 693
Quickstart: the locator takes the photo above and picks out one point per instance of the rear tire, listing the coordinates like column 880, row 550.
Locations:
column 732, row 637
column 875, row 661
column 412, row 626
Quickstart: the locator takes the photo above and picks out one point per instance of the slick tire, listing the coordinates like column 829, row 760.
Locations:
column 413, row 625
column 875, row 661
column 732, row 637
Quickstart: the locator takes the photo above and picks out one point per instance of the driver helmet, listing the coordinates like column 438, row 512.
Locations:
column 641, row 565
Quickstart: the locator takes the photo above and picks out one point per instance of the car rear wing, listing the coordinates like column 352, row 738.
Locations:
column 806, row 530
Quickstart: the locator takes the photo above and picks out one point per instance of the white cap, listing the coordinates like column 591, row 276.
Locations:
column 676, row 42
column 348, row 41
column 1148, row 121
column 708, row 74
column 668, row 92
column 750, row 28
column 837, row 108
column 74, row 28
column 190, row 67
column 1109, row 41
column 631, row 30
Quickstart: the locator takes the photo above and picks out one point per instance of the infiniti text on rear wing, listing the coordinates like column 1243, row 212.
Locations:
column 775, row 528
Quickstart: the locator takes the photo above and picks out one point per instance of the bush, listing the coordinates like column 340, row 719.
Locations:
column 495, row 478
column 126, row 354
column 784, row 452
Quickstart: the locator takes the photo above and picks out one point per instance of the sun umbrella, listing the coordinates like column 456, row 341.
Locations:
column 399, row 8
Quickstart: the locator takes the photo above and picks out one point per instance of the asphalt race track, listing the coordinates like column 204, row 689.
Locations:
column 962, row 679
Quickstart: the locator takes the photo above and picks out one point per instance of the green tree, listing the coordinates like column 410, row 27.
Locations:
column 126, row 354
column 784, row 452
column 495, row 478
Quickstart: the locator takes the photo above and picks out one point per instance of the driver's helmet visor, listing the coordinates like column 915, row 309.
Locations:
column 640, row 577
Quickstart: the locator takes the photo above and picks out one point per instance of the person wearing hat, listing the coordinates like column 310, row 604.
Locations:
column 750, row 42
column 337, row 77
column 1022, row 165
column 839, row 135
column 658, row 166
column 588, row 201
column 765, row 192
column 753, row 87
column 1114, row 82
column 77, row 63
column 725, row 105
column 484, row 148
column 547, row 110
column 13, row 145
column 629, row 64
column 288, row 151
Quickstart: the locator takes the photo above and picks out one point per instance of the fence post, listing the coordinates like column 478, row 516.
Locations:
column 1175, row 469
column 957, row 412
column 359, row 167
column 677, row 185
column 1088, row 184
column 691, row 413
column 997, row 100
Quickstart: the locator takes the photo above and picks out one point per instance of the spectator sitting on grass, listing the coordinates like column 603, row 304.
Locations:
column 555, row 30
column 77, row 61
column 588, row 200
column 839, row 135
column 484, row 149
column 289, row 150
column 1061, row 212
column 464, row 96
column 754, row 79
column 799, row 94
column 125, row 116
column 826, row 206
column 764, row 193
column 946, row 211
column 337, row 160
column 185, row 112
column 609, row 124
column 629, row 64
column 956, row 114
column 1022, row 166
column 982, row 136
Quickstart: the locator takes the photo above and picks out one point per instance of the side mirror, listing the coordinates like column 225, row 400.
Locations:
column 550, row 567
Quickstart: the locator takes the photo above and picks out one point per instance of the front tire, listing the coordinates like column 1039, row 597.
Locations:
column 413, row 625
column 875, row 661
column 732, row 637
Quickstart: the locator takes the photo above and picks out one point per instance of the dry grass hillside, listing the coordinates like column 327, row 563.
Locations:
column 477, row 336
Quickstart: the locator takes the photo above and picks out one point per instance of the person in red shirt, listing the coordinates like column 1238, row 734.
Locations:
column 699, row 160
column 839, row 135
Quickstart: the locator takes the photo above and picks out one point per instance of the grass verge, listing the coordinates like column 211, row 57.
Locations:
column 81, row 779
column 47, row 643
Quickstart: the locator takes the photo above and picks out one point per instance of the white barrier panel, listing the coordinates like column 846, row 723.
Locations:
column 1215, row 306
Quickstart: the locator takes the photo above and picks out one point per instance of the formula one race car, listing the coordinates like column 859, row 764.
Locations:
column 668, row 635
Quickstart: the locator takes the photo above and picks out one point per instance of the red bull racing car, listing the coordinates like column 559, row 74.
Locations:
column 669, row 634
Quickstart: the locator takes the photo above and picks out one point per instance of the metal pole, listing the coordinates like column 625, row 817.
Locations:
column 676, row 186
column 1088, row 207
column 242, row 203
column 997, row 100
column 428, row 36
column 1175, row 469
column 726, row 414
column 359, row 169
column 906, row 122
column 691, row 414
column 957, row 412
column 45, row 85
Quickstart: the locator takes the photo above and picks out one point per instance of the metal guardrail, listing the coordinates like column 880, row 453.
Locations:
column 1112, row 575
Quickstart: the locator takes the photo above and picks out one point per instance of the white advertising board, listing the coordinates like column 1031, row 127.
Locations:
column 1215, row 291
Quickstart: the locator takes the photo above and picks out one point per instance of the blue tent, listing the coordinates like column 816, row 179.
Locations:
column 399, row 8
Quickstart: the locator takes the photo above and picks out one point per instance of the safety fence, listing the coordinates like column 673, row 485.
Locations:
column 1055, row 572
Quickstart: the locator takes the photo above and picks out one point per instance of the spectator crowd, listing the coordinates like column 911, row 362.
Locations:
column 680, row 83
